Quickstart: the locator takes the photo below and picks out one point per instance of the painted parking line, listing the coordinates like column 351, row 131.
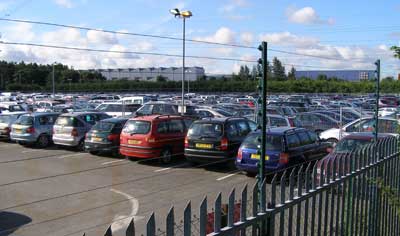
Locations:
column 71, row 155
column 228, row 176
column 34, row 150
column 111, row 162
column 171, row 167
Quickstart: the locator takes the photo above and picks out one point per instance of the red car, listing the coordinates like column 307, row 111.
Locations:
column 156, row 136
column 347, row 145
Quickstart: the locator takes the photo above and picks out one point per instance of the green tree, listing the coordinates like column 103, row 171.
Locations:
column 396, row 51
column 278, row 70
column 161, row 78
column 292, row 74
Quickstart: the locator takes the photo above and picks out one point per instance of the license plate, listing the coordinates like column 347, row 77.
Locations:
column 18, row 131
column 95, row 139
column 134, row 141
column 257, row 156
column 203, row 145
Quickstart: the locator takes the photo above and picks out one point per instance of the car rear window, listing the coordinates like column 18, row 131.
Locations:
column 25, row 120
column 5, row 119
column 103, row 126
column 137, row 127
column 66, row 121
column 273, row 142
column 206, row 129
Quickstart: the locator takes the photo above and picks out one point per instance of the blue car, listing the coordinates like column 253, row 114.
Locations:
column 285, row 146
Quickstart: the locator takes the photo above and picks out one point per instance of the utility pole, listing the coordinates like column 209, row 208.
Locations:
column 377, row 94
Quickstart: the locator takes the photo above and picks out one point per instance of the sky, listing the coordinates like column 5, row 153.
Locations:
column 339, row 34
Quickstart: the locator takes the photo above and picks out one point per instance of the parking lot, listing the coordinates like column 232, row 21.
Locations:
column 57, row 191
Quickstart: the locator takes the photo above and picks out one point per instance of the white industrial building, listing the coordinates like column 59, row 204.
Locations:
column 151, row 74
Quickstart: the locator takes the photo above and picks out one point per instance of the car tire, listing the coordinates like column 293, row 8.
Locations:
column 251, row 174
column 43, row 141
column 94, row 152
column 81, row 146
column 166, row 156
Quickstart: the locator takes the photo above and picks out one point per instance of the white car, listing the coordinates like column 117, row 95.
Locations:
column 117, row 109
column 385, row 125
column 387, row 111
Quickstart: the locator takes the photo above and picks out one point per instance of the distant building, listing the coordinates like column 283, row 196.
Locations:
column 349, row 75
column 151, row 74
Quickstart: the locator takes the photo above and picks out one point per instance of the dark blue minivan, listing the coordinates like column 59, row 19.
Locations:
column 285, row 146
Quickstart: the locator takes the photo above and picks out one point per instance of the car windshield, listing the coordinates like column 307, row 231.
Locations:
column 137, row 127
column 273, row 142
column 25, row 120
column 205, row 129
column 103, row 126
column 348, row 145
column 224, row 113
column 66, row 121
column 145, row 110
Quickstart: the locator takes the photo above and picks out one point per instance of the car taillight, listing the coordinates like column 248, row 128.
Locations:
column 224, row 144
column 240, row 154
column 74, row 132
column 284, row 158
column 113, row 137
column 186, row 142
column 30, row 130
column 291, row 123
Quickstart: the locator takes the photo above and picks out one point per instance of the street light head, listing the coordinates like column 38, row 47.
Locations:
column 186, row 14
column 175, row 12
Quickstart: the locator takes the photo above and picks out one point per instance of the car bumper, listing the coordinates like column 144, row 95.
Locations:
column 206, row 156
column 253, row 168
column 72, row 142
column 97, row 146
column 27, row 138
column 139, row 152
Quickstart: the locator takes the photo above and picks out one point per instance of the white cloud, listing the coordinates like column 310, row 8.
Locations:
column 287, row 38
column 64, row 3
column 3, row 6
column 232, row 5
column 247, row 38
column 306, row 15
column 15, row 31
column 222, row 35
column 98, row 37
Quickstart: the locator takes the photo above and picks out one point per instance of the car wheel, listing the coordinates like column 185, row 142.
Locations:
column 81, row 146
column 166, row 156
column 43, row 141
column 94, row 152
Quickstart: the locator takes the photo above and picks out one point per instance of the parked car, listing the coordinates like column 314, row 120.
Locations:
column 104, row 136
column 156, row 136
column 350, row 143
column 6, row 121
column 216, row 139
column 217, row 113
column 70, row 128
column 284, row 147
column 116, row 109
column 317, row 122
column 385, row 125
column 163, row 108
column 35, row 128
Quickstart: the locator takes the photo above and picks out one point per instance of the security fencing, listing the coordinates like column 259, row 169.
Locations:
column 349, row 193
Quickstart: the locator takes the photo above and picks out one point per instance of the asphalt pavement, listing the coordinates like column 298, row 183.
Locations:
column 62, row 192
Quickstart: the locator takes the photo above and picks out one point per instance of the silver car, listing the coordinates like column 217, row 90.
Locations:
column 70, row 128
column 6, row 120
column 34, row 128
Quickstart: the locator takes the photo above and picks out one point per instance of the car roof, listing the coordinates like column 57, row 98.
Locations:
column 281, row 130
column 153, row 117
column 115, row 120
column 74, row 114
column 42, row 113
column 220, row 119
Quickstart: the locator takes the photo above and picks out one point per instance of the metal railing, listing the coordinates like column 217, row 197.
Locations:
column 351, row 193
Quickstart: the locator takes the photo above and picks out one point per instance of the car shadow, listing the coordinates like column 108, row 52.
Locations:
column 11, row 221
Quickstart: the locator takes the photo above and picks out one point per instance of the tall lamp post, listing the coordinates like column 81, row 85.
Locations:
column 183, row 15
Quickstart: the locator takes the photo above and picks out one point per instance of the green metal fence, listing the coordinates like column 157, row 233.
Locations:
column 353, row 193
